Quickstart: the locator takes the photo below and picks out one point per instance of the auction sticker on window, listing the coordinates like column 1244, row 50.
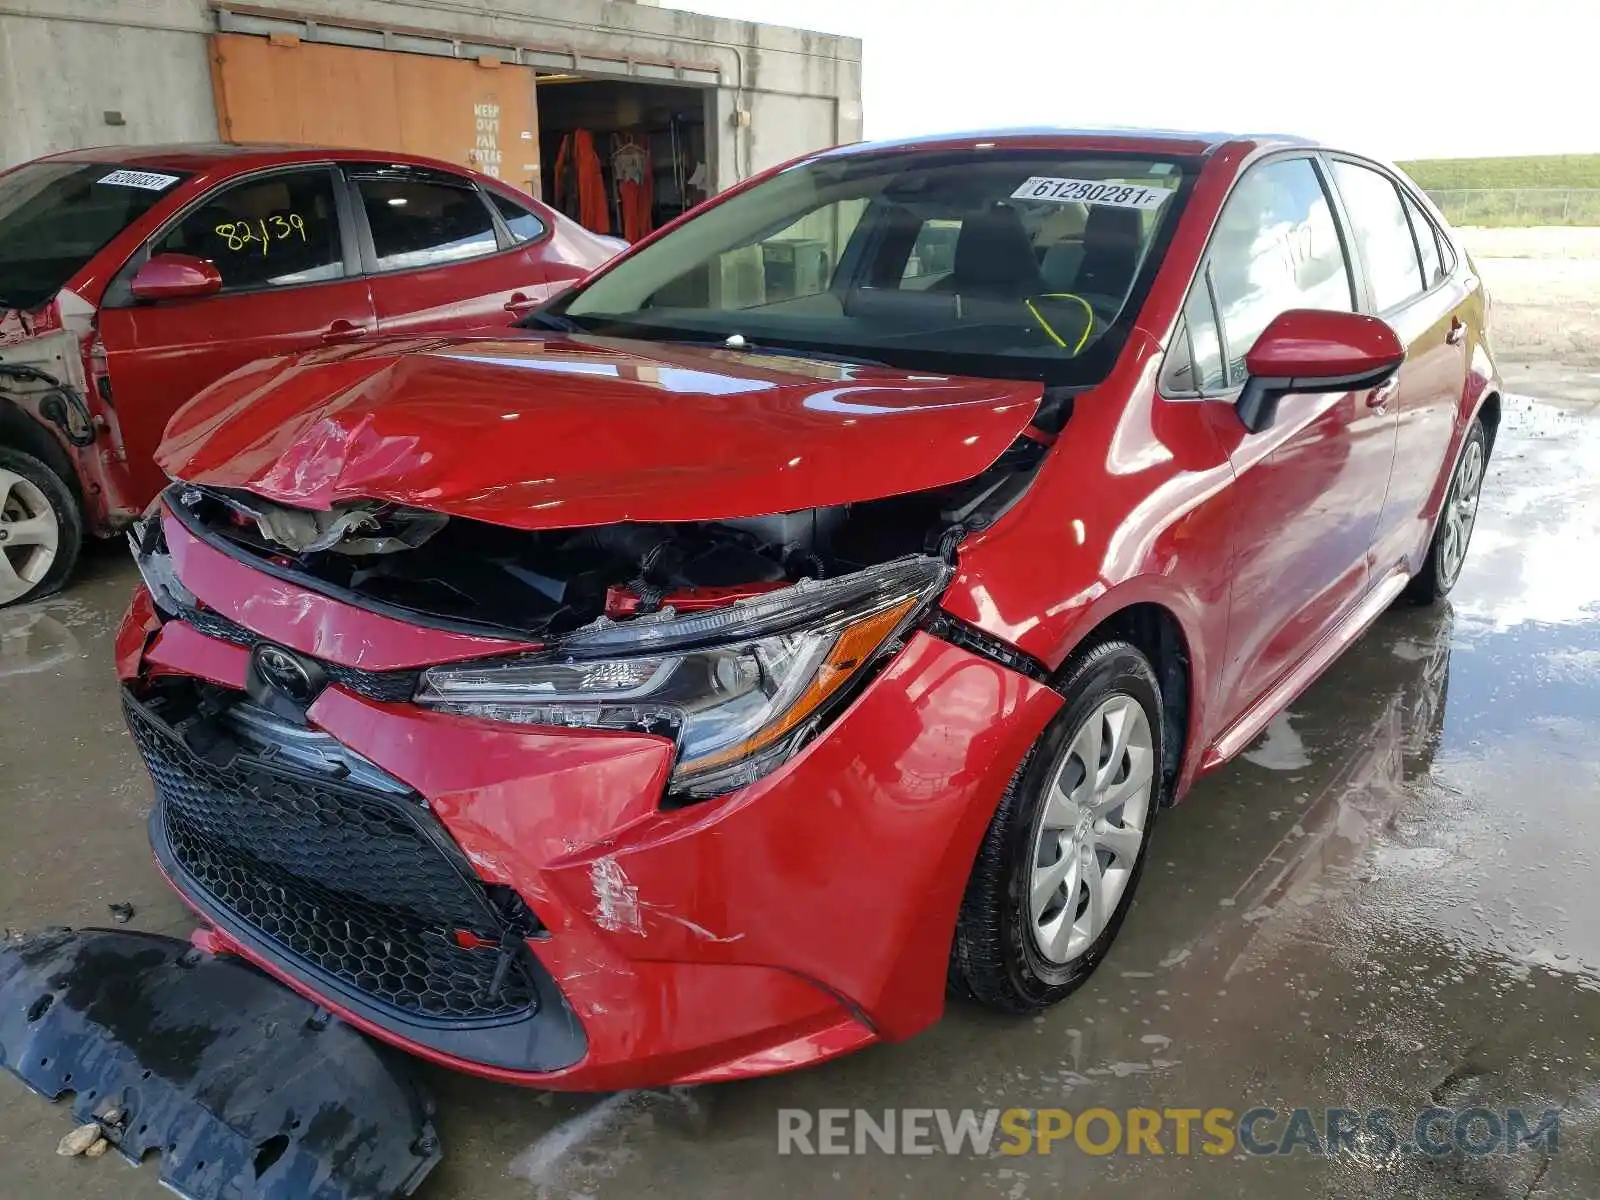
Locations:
column 150, row 181
column 1091, row 191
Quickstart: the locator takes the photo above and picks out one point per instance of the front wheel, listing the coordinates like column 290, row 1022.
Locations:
column 1058, row 867
column 1458, row 516
column 40, row 528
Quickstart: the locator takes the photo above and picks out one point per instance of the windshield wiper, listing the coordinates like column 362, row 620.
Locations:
column 539, row 319
column 820, row 355
column 737, row 341
column 685, row 337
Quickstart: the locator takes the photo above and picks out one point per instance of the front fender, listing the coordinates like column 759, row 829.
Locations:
column 1133, row 506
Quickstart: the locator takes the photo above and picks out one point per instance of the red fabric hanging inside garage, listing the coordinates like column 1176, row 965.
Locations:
column 580, row 188
column 630, row 171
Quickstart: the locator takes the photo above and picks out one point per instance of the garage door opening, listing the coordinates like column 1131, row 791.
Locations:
column 622, row 158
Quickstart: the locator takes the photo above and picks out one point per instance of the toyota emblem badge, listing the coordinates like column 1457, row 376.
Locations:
column 283, row 673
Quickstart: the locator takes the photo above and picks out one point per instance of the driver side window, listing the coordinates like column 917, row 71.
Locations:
column 1276, row 246
column 272, row 231
column 933, row 253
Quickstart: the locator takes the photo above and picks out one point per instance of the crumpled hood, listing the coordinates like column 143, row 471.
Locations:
column 540, row 432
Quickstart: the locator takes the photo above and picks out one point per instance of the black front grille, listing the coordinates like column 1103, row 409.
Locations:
column 389, row 687
column 357, row 884
column 214, row 624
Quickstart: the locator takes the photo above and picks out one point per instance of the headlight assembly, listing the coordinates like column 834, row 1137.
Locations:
column 741, row 688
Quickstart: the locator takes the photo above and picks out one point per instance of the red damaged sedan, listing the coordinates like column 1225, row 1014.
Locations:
column 133, row 276
column 812, row 611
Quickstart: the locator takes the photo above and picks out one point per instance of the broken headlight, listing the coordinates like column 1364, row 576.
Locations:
column 741, row 688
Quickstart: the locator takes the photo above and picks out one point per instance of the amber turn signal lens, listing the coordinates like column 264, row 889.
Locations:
column 854, row 646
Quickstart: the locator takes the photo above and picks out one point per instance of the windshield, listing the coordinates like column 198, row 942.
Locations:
column 1019, row 264
column 56, row 216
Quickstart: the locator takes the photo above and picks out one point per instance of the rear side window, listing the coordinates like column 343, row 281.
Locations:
column 1433, row 269
column 1447, row 253
column 933, row 254
column 424, row 224
column 1382, row 234
column 1276, row 247
column 275, row 231
column 525, row 226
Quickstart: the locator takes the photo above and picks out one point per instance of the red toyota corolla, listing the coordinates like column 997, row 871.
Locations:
column 813, row 610
column 131, row 277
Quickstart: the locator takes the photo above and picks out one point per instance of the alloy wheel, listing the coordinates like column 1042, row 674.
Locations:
column 1091, row 829
column 1461, row 511
column 30, row 536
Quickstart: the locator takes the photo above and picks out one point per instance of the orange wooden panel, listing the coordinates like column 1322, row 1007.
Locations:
column 323, row 95
column 466, row 112
column 474, row 113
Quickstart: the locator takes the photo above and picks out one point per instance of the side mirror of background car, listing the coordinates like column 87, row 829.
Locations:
column 1310, row 350
column 175, row 277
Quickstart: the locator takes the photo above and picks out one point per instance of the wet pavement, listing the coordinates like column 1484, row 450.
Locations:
column 1389, row 902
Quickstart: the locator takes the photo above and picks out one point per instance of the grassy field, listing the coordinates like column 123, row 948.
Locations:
column 1534, row 171
column 1545, row 189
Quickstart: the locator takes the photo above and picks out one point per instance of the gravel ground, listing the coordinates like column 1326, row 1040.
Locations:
column 1545, row 284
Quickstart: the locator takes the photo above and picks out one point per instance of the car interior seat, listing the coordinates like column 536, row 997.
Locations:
column 994, row 258
column 1113, row 245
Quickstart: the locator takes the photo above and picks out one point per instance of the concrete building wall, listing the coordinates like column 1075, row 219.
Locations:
column 60, row 76
column 65, row 64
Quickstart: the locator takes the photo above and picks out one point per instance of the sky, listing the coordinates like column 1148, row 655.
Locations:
column 1397, row 79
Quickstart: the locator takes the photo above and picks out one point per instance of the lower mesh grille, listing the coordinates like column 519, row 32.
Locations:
column 349, row 881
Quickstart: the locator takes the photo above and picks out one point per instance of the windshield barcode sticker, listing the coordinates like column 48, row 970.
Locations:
column 1091, row 191
column 150, row 181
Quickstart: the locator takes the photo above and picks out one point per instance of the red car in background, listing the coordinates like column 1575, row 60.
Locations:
column 132, row 277
column 815, row 608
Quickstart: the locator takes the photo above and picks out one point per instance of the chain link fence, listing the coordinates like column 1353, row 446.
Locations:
column 1519, row 206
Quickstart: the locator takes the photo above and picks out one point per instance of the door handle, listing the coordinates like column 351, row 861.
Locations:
column 1458, row 331
column 1378, row 398
column 342, row 331
column 519, row 304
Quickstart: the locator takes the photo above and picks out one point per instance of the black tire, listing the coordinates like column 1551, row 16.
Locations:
column 62, row 505
column 1441, row 570
column 994, row 958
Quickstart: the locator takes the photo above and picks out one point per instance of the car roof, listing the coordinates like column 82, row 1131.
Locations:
column 199, row 157
column 1120, row 138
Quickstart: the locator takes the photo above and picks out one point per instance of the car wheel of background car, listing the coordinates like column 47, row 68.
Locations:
column 40, row 528
column 1457, row 517
column 1058, row 867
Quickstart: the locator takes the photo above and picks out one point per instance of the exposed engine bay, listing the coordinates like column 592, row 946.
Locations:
column 541, row 584
column 43, row 376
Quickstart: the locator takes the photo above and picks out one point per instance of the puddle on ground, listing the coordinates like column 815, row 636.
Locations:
column 32, row 641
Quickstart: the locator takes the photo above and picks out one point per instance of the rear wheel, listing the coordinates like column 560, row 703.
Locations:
column 1458, row 516
column 1058, row 867
column 41, row 529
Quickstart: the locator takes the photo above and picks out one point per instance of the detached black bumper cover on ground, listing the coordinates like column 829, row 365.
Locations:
column 245, row 1088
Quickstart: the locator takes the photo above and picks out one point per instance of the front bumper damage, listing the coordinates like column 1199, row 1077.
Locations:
column 243, row 1088
column 801, row 917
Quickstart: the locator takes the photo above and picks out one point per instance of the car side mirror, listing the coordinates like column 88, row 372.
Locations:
column 175, row 277
column 1312, row 350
